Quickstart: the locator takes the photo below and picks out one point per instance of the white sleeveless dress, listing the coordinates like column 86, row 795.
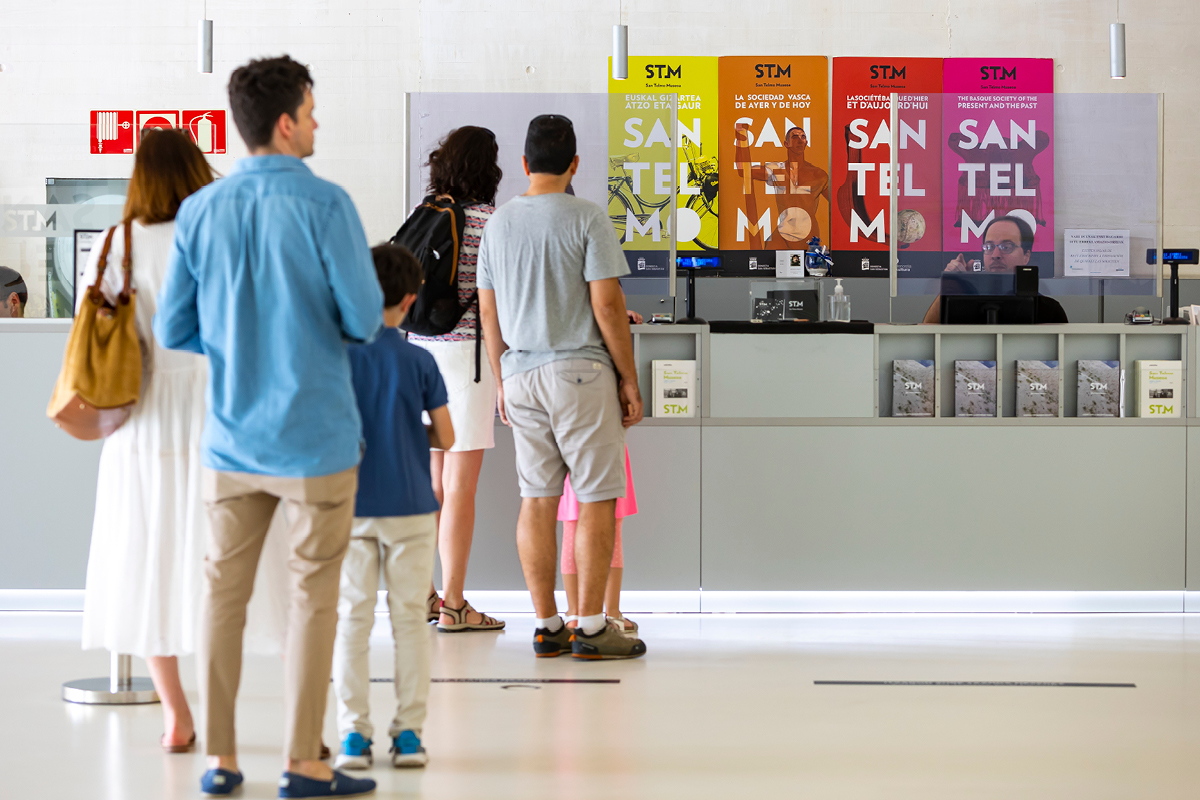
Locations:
column 146, row 564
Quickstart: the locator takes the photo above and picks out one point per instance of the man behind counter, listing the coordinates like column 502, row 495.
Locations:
column 13, row 293
column 1007, row 244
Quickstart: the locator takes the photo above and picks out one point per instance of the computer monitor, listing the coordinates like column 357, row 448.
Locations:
column 988, row 299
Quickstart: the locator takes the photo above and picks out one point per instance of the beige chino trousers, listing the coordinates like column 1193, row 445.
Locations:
column 240, row 507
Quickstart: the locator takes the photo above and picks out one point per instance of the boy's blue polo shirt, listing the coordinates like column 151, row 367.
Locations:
column 394, row 382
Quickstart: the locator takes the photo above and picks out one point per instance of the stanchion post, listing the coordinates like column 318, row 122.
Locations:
column 120, row 688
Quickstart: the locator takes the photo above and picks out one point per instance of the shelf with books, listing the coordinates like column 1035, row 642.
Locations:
column 1038, row 369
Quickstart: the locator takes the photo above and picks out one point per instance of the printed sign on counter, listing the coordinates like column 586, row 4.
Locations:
column 1095, row 253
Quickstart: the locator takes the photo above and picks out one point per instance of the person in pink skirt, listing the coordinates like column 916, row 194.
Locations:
column 568, row 514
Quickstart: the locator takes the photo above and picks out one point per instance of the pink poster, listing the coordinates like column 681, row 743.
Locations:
column 998, row 120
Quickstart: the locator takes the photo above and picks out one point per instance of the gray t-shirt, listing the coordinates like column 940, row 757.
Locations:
column 538, row 255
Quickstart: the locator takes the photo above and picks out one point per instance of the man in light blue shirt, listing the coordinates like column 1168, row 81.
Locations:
column 270, row 276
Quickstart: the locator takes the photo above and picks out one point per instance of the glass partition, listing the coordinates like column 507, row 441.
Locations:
column 1068, row 183
column 45, row 237
column 634, row 177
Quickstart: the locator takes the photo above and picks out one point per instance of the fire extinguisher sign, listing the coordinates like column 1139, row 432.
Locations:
column 207, row 129
column 119, row 132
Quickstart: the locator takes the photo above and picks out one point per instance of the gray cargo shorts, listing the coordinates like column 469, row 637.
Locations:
column 566, row 418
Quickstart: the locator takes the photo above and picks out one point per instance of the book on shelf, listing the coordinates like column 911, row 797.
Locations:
column 1037, row 388
column 674, row 388
column 974, row 388
column 1158, row 388
column 912, row 388
column 1100, row 388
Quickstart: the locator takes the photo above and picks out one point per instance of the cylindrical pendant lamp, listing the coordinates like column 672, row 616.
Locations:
column 205, row 52
column 1116, row 48
column 620, row 54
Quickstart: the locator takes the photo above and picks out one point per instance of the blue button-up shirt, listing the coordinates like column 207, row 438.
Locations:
column 270, row 275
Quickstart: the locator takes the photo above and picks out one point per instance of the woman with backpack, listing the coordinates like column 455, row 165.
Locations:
column 463, row 173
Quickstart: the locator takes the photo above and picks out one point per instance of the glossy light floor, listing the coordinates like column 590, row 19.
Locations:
column 724, row 706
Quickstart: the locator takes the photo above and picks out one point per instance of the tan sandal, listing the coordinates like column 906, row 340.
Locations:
column 459, row 624
column 628, row 626
column 178, row 748
column 433, row 607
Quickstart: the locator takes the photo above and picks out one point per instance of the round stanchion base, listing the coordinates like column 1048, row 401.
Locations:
column 95, row 692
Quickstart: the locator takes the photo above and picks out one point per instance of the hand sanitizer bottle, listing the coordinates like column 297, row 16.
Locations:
column 839, row 304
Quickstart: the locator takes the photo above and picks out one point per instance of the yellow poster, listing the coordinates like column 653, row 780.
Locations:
column 693, row 79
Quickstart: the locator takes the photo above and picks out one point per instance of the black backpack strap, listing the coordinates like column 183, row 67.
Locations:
column 478, row 343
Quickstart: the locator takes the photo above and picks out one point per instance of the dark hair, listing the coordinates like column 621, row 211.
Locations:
column 10, row 282
column 263, row 90
column 168, row 167
column 464, row 165
column 398, row 271
column 1022, row 226
column 550, row 144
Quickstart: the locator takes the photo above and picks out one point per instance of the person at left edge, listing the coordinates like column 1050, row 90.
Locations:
column 270, row 274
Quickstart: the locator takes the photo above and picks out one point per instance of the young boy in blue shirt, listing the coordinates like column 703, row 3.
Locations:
column 395, row 526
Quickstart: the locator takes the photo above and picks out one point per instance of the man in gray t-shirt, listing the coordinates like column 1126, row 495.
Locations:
column 558, row 341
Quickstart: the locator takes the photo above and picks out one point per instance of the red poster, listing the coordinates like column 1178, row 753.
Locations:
column 861, row 161
column 207, row 129
column 111, row 132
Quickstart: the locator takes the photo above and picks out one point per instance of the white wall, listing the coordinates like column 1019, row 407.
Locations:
column 65, row 57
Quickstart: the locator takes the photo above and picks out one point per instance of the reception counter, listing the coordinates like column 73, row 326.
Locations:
column 793, row 489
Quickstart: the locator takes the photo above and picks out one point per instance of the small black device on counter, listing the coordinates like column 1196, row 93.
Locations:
column 1174, row 258
column 704, row 266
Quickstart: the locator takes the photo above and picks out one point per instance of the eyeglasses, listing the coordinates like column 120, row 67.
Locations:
column 1004, row 247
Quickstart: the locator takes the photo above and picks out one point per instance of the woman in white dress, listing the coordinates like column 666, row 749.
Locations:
column 148, row 536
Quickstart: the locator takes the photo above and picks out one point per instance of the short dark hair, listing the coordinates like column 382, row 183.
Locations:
column 261, row 91
column 464, row 165
column 550, row 144
column 1022, row 226
column 398, row 271
column 10, row 282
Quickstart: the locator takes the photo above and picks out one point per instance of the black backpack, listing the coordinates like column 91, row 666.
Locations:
column 434, row 233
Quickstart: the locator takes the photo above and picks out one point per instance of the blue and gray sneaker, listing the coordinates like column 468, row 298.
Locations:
column 407, row 750
column 356, row 752
column 294, row 785
column 220, row 782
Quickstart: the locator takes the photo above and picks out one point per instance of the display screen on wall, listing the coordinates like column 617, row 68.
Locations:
column 861, row 161
column 694, row 80
column 774, row 153
column 998, row 117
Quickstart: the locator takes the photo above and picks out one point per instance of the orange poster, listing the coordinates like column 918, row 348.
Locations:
column 773, row 117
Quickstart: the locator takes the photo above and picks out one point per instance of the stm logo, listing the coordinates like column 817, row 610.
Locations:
column 997, row 73
column 912, row 386
column 1034, row 386
column 974, row 387
column 887, row 72
column 663, row 71
column 1099, row 387
column 772, row 71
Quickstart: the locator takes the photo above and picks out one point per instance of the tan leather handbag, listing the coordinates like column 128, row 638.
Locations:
column 101, row 376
